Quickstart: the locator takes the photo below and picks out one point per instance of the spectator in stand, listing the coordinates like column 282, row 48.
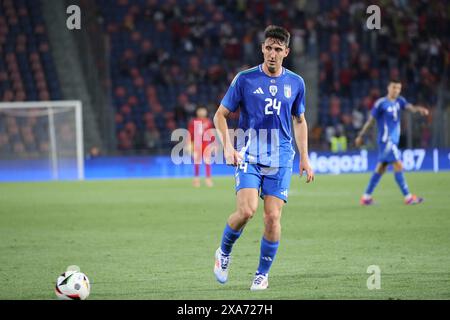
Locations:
column 339, row 140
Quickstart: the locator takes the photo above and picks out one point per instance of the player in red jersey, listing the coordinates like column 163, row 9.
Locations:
column 200, row 139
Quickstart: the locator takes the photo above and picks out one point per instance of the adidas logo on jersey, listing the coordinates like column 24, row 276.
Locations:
column 259, row 91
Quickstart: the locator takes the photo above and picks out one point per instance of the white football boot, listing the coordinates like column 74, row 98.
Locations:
column 221, row 266
column 260, row 282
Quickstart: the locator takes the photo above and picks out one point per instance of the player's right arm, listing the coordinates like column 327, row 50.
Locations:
column 375, row 113
column 232, row 157
column 369, row 123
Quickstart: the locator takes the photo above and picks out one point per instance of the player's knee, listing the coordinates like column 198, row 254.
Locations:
column 381, row 168
column 398, row 166
column 247, row 211
column 272, row 218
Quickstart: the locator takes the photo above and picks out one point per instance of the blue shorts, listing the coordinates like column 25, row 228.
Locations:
column 268, row 181
column 388, row 152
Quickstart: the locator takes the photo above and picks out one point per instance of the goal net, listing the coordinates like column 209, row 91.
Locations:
column 41, row 141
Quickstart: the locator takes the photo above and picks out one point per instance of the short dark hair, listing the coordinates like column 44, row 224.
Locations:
column 395, row 80
column 278, row 33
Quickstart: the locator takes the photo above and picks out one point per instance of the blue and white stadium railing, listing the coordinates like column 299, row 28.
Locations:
column 433, row 160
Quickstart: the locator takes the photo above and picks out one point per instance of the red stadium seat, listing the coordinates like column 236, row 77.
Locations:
column 120, row 92
column 118, row 118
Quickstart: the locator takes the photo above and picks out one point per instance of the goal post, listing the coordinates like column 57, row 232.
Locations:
column 41, row 140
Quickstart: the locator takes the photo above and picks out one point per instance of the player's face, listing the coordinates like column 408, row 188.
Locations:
column 202, row 113
column 394, row 90
column 274, row 52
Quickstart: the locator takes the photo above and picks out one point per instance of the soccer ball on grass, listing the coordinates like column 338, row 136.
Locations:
column 72, row 285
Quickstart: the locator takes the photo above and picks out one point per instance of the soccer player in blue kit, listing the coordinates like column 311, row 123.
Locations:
column 270, row 98
column 386, row 113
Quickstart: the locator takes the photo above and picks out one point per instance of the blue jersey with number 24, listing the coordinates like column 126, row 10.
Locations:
column 266, row 106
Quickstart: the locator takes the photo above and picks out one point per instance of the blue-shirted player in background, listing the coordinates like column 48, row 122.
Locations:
column 269, row 97
column 386, row 113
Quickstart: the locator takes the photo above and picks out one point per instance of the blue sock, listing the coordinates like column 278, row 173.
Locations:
column 401, row 182
column 268, row 252
column 229, row 237
column 373, row 182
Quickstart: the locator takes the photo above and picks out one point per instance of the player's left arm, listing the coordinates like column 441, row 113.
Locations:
column 301, row 139
column 414, row 109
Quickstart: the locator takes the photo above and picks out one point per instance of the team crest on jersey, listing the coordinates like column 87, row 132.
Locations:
column 287, row 90
column 273, row 90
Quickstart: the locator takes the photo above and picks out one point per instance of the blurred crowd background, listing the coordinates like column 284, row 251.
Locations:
column 142, row 67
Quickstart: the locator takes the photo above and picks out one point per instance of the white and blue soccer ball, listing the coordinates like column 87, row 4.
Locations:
column 72, row 285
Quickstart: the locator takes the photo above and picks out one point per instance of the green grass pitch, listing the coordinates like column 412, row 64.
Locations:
column 155, row 239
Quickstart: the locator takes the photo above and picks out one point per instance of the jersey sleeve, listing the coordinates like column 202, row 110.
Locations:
column 233, row 97
column 298, row 107
column 376, row 110
column 402, row 102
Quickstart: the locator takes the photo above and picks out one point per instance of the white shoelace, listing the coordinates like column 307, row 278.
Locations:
column 259, row 279
column 224, row 261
